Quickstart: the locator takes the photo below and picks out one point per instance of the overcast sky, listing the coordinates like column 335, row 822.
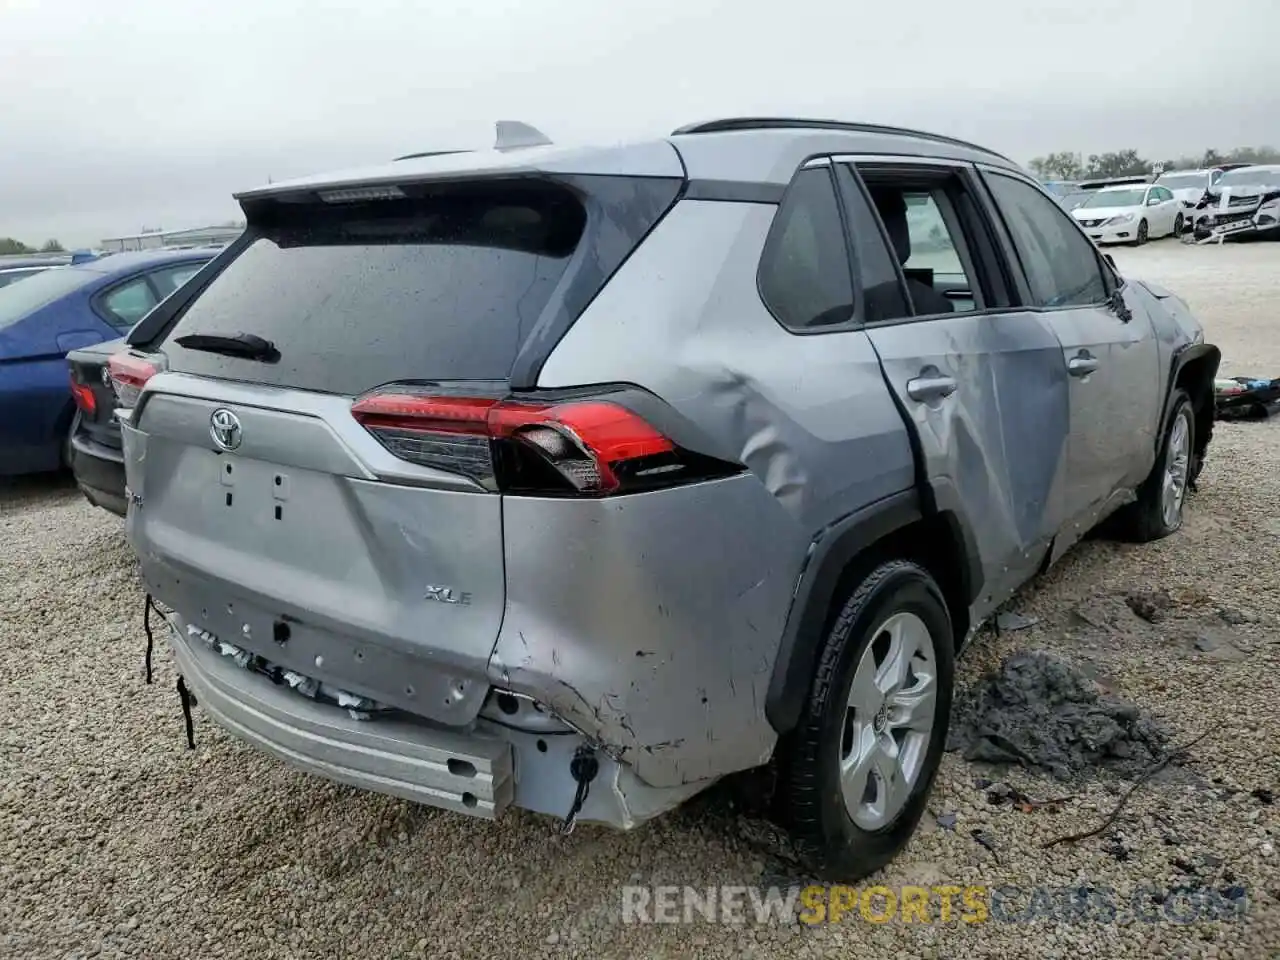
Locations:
column 120, row 114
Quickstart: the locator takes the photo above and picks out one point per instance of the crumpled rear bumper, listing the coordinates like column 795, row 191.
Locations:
column 479, row 770
column 466, row 772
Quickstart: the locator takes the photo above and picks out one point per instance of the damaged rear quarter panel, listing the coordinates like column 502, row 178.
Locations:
column 650, row 622
column 673, row 671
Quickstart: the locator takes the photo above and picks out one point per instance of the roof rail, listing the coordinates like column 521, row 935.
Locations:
column 799, row 123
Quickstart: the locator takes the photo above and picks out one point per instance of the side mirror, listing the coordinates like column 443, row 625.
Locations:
column 1153, row 201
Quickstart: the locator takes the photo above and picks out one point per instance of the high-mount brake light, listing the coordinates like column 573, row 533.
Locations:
column 129, row 374
column 358, row 194
column 591, row 446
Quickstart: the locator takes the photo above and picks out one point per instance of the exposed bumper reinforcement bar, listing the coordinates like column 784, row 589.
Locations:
column 464, row 772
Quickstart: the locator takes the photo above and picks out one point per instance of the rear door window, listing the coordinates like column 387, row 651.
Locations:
column 357, row 295
column 129, row 303
column 927, row 214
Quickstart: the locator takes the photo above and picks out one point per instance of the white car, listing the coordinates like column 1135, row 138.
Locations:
column 1189, row 187
column 1134, row 213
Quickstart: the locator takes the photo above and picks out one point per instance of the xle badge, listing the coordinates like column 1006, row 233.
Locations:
column 447, row 595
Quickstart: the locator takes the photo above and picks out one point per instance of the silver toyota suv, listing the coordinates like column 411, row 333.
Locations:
column 577, row 479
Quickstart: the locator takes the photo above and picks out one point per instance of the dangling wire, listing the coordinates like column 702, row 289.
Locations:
column 184, row 695
column 146, row 625
column 583, row 768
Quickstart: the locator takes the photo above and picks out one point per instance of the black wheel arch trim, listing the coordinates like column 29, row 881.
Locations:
column 1181, row 357
column 943, row 500
column 830, row 555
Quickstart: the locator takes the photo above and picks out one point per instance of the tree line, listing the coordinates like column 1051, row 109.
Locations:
column 10, row 245
column 1128, row 163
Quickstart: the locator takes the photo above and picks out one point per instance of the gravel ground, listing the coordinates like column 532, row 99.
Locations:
column 117, row 841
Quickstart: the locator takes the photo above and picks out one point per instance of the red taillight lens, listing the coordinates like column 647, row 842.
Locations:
column 592, row 446
column 86, row 402
column 129, row 374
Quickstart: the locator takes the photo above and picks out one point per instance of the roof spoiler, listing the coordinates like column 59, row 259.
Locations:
column 511, row 135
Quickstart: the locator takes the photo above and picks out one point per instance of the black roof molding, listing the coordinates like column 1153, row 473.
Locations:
column 731, row 124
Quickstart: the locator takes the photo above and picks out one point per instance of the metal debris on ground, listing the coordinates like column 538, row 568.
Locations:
column 1043, row 714
column 1014, row 621
column 985, row 841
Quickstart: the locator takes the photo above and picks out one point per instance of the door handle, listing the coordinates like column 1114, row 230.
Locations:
column 931, row 387
column 1082, row 365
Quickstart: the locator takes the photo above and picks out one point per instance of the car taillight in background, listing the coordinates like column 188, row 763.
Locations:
column 586, row 447
column 129, row 374
column 82, row 393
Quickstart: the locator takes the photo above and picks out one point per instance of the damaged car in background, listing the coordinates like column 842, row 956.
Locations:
column 1189, row 188
column 1243, row 203
column 578, row 479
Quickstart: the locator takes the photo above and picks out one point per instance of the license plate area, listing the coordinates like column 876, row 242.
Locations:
column 1233, row 226
column 369, row 669
column 263, row 489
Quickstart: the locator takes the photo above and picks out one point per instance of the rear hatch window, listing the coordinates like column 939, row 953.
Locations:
column 355, row 295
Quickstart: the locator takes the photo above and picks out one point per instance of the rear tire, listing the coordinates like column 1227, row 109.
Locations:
column 855, row 775
column 1162, row 497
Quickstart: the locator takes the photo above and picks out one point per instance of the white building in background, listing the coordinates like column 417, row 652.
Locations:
column 169, row 239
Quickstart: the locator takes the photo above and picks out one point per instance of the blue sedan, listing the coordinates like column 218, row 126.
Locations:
column 48, row 314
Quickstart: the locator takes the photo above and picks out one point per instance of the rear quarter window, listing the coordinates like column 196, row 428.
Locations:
column 804, row 275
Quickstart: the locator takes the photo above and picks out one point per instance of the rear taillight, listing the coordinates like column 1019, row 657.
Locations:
column 129, row 374
column 86, row 402
column 588, row 447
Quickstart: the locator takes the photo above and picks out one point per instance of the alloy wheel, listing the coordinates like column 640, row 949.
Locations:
column 888, row 721
column 1177, row 460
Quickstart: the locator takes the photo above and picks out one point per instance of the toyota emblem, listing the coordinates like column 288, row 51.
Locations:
column 224, row 427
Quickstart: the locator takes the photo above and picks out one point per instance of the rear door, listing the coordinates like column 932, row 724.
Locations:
column 982, row 381
column 257, row 493
column 1109, row 349
column 1160, row 211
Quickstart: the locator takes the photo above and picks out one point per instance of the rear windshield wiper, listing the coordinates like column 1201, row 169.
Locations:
column 245, row 345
